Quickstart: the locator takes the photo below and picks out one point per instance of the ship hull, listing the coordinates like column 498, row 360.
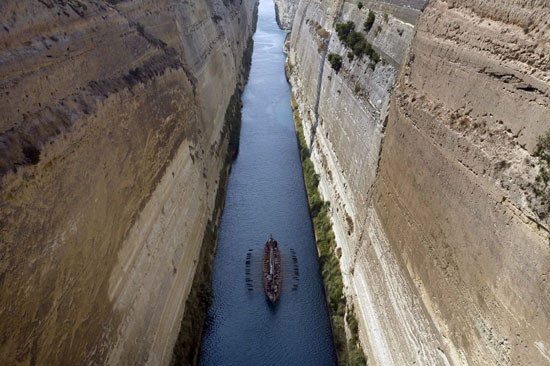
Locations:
column 271, row 270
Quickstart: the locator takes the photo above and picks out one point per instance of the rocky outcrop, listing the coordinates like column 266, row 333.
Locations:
column 425, row 159
column 112, row 140
column 284, row 12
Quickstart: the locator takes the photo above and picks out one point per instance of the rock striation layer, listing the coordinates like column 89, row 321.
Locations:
column 426, row 161
column 112, row 140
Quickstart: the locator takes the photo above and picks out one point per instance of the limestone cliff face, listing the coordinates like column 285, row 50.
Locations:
column 285, row 10
column 112, row 139
column 426, row 163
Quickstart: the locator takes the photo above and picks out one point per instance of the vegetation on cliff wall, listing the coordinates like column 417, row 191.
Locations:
column 349, row 350
column 370, row 21
column 356, row 41
column 335, row 61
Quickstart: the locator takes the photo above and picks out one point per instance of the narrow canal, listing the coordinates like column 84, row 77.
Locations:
column 266, row 195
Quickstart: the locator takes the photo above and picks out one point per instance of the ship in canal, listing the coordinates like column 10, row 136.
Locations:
column 271, row 270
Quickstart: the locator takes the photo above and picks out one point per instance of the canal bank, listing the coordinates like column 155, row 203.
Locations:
column 342, row 315
column 266, row 195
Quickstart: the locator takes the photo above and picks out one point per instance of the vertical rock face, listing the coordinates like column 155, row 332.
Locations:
column 453, row 189
column 112, row 139
column 426, row 162
column 285, row 10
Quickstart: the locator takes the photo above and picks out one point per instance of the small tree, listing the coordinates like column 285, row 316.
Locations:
column 335, row 61
column 360, row 5
column 370, row 21
column 343, row 29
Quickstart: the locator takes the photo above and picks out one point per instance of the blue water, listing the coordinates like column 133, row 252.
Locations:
column 266, row 195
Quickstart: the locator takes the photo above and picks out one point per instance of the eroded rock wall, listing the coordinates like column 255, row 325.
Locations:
column 285, row 11
column 112, row 139
column 426, row 163
column 453, row 189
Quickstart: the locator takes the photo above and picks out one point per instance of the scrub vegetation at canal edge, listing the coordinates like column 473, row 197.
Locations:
column 186, row 349
column 349, row 350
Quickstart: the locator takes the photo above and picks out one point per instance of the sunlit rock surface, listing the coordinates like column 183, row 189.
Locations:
column 425, row 160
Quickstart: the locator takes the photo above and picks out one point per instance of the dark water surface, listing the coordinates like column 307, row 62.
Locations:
column 266, row 196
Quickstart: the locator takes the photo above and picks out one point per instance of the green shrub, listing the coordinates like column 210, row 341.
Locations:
column 343, row 29
column 370, row 21
column 356, row 357
column 360, row 5
column 386, row 17
column 206, row 295
column 352, row 324
column 335, row 61
column 356, row 41
column 140, row 28
column 373, row 55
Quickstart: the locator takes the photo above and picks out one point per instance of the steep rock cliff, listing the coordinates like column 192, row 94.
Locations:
column 425, row 159
column 285, row 10
column 112, row 140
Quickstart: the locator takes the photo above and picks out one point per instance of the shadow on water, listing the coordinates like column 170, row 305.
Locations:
column 266, row 195
column 271, row 307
